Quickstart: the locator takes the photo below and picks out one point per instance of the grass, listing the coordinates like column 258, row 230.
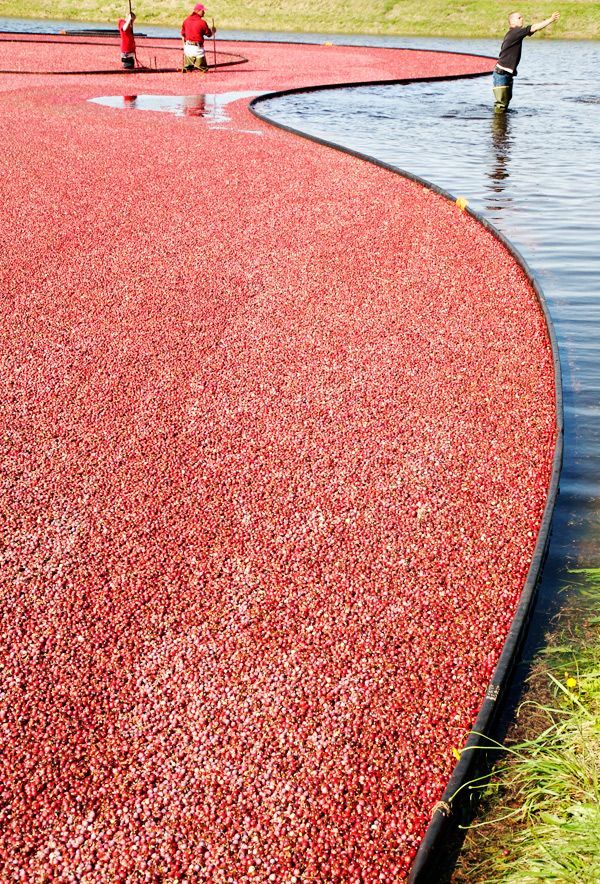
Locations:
column 580, row 19
column 541, row 821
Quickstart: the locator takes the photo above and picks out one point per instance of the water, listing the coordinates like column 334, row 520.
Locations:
column 534, row 173
column 211, row 107
column 55, row 26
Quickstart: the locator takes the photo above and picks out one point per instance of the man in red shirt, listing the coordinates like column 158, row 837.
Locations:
column 127, row 41
column 193, row 31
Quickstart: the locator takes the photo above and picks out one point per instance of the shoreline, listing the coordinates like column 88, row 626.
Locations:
column 459, row 34
column 524, row 822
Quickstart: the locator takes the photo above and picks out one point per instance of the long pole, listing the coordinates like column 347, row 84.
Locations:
column 214, row 43
column 131, row 26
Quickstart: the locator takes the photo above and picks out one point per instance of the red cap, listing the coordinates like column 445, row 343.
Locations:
column 199, row 8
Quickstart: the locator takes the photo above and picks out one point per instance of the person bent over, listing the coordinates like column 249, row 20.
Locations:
column 127, row 42
column 510, row 56
column 193, row 31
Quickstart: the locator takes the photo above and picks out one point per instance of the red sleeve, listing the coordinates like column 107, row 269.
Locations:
column 205, row 28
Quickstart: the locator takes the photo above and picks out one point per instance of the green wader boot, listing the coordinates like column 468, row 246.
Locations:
column 194, row 63
column 503, row 95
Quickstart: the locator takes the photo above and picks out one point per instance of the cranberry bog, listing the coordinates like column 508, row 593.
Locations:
column 278, row 434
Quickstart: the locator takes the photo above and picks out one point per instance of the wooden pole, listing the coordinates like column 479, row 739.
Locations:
column 214, row 44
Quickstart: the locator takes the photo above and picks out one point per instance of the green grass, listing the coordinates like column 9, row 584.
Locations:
column 580, row 19
column 542, row 817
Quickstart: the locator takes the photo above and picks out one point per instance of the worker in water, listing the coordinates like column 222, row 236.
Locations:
column 127, row 41
column 193, row 31
column 510, row 55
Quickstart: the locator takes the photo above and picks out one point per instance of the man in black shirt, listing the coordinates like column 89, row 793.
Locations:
column 510, row 56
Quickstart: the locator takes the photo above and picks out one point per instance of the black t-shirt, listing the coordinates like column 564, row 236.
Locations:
column 510, row 51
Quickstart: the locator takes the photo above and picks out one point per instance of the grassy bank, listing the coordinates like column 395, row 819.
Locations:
column 541, row 818
column 484, row 18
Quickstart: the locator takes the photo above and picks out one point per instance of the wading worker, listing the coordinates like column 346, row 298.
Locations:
column 193, row 31
column 127, row 41
column 510, row 55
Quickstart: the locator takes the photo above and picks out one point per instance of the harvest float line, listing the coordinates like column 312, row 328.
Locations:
column 454, row 805
column 234, row 59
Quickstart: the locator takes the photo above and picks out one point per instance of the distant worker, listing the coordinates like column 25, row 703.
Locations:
column 510, row 56
column 193, row 31
column 127, row 41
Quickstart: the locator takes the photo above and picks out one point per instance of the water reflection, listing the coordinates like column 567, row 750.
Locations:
column 211, row 107
column 501, row 144
column 194, row 106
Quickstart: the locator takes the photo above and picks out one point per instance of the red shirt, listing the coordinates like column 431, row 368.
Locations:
column 195, row 29
column 127, row 38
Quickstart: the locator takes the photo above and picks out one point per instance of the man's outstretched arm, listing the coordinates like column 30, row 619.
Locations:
column 538, row 25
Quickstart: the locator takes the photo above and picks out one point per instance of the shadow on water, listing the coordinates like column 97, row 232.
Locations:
column 533, row 172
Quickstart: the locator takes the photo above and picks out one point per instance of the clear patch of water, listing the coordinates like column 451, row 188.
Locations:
column 209, row 106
